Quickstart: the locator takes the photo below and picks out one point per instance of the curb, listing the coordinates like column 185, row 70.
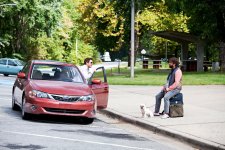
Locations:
column 190, row 140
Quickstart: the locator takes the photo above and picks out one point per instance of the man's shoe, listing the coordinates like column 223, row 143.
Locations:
column 156, row 114
column 162, row 113
column 165, row 116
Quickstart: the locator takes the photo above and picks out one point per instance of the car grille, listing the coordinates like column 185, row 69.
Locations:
column 65, row 98
column 66, row 111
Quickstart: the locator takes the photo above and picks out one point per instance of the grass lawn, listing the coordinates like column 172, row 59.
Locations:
column 158, row 77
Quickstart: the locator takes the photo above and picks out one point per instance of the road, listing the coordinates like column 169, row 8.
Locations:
column 62, row 133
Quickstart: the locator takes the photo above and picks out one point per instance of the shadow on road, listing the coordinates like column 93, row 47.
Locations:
column 47, row 118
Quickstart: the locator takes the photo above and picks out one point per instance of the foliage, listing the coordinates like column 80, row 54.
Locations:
column 207, row 20
column 27, row 20
column 101, row 24
column 50, row 29
column 42, row 29
column 70, row 34
column 213, row 52
column 155, row 18
column 206, row 17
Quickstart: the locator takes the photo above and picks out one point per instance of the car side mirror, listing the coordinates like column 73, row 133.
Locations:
column 96, row 81
column 21, row 75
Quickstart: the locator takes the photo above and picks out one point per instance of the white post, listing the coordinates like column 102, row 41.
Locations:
column 132, row 40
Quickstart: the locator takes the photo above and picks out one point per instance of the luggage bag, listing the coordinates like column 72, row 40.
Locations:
column 176, row 106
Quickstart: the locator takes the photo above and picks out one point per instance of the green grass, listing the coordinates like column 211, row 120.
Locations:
column 158, row 77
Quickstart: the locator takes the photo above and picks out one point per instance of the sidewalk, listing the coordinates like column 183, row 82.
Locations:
column 203, row 124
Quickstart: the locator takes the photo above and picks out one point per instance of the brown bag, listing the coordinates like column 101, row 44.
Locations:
column 176, row 110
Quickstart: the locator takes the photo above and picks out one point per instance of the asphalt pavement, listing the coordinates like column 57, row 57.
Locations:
column 62, row 133
column 204, row 115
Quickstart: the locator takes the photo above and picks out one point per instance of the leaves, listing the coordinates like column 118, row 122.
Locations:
column 100, row 22
column 42, row 29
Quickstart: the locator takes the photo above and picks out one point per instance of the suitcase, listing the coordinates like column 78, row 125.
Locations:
column 176, row 106
column 177, row 99
column 176, row 110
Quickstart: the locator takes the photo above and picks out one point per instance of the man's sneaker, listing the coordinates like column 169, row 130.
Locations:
column 156, row 114
column 165, row 116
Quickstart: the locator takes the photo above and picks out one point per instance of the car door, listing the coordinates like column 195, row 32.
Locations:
column 12, row 67
column 98, row 84
column 3, row 66
column 20, row 84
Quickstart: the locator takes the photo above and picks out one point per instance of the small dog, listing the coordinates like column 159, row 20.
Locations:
column 146, row 112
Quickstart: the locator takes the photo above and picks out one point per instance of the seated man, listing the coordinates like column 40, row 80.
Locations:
column 172, row 87
column 64, row 75
column 37, row 75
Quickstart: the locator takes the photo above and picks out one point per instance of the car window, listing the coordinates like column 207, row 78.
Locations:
column 26, row 69
column 2, row 61
column 56, row 73
column 18, row 62
column 99, row 74
column 11, row 63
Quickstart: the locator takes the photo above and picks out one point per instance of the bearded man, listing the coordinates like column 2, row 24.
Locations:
column 172, row 87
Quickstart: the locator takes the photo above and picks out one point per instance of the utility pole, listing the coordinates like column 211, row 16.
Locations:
column 76, row 47
column 132, row 40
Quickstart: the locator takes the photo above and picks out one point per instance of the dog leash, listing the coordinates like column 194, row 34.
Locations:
column 150, row 106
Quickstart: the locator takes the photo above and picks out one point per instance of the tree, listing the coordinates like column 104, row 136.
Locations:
column 27, row 21
column 156, row 17
column 207, row 20
column 43, row 29
column 101, row 25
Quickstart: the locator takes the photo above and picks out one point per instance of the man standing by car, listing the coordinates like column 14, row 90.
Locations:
column 87, row 69
column 170, row 89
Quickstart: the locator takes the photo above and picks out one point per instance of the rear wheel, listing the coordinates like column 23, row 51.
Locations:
column 6, row 75
column 25, row 116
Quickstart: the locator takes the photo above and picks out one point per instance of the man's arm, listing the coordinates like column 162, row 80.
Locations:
column 178, row 76
column 84, row 72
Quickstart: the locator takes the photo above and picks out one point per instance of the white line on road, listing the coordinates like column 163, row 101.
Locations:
column 5, row 99
column 77, row 140
column 92, row 126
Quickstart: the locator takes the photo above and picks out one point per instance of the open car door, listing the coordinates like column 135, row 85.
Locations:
column 98, row 83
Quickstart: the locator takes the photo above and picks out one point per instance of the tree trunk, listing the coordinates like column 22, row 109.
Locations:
column 222, row 56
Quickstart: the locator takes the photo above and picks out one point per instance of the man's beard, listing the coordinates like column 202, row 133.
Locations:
column 171, row 66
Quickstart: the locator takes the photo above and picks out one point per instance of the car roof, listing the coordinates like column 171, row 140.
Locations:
column 51, row 62
column 9, row 58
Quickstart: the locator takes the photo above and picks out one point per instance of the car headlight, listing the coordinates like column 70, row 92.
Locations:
column 87, row 98
column 39, row 94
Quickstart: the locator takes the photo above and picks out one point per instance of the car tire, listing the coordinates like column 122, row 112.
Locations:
column 25, row 116
column 88, row 120
column 14, row 105
column 6, row 75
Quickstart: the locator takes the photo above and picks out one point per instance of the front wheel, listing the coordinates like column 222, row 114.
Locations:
column 25, row 116
column 14, row 105
column 88, row 120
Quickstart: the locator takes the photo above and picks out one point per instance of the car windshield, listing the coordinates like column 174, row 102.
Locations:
column 56, row 73
column 19, row 62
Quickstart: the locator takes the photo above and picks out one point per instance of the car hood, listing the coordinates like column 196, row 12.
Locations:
column 61, row 88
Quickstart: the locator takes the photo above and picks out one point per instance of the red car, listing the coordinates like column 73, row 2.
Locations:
column 56, row 88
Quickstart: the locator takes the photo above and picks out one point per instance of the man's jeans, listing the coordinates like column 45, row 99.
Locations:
column 167, row 97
